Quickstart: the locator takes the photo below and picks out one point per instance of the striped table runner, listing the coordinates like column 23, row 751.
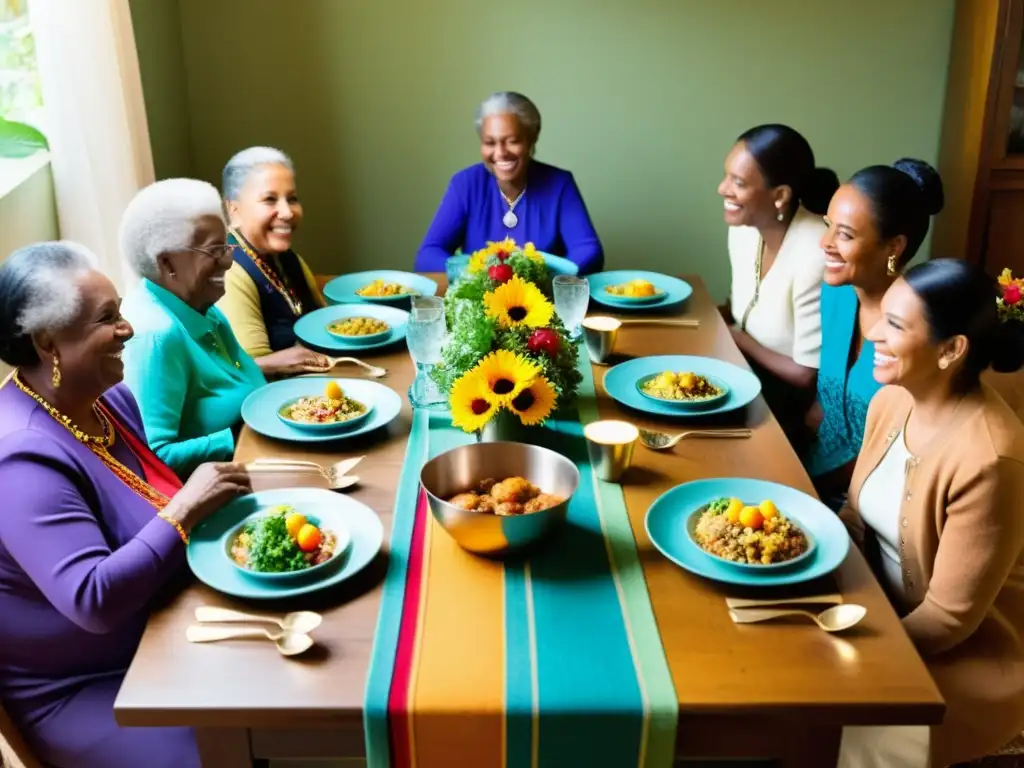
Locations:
column 553, row 661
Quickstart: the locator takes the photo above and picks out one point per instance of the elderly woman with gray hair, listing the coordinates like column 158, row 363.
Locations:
column 92, row 523
column 511, row 195
column 185, row 366
column 269, row 286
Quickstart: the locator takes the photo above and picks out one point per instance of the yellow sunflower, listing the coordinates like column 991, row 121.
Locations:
column 478, row 261
column 530, row 251
column 504, row 375
column 518, row 302
column 535, row 402
column 471, row 408
column 1006, row 277
column 506, row 246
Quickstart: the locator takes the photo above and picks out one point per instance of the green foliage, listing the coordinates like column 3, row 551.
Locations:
column 20, row 88
column 19, row 140
column 474, row 335
column 271, row 548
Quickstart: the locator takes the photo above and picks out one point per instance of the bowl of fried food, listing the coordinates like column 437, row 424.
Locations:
column 498, row 499
column 359, row 329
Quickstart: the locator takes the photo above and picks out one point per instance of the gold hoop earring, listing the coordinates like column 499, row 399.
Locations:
column 55, row 378
column 891, row 268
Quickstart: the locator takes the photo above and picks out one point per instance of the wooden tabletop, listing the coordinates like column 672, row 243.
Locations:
column 725, row 674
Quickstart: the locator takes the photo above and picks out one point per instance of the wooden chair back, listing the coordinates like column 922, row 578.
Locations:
column 13, row 749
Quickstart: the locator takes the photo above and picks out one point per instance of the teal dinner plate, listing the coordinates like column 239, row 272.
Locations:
column 332, row 522
column 342, row 289
column 209, row 541
column 312, row 330
column 328, row 427
column 260, row 409
column 557, row 265
column 674, row 290
column 715, row 381
column 668, row 523
column 621, row 384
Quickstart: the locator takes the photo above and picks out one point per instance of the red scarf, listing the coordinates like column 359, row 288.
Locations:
column 155, row 472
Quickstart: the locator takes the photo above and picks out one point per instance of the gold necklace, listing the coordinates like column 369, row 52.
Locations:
column 80, row 435
column 757, row 282
column 278, row 283
column 99, row 446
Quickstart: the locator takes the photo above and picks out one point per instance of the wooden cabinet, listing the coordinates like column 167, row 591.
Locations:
column 982, row 154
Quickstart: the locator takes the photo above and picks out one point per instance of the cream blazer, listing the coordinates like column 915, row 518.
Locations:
column 786, row 317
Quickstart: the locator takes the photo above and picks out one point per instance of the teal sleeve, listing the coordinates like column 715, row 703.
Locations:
column 157, row 372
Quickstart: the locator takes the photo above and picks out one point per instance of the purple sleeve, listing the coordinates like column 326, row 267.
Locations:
column 581, row 242
column 447, row 231
column 49, row 529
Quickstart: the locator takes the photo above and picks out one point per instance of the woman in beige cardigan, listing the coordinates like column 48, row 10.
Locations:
column 937, row 504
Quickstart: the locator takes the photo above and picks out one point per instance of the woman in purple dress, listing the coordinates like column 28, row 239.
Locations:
column 510, row 194
column 92, row 523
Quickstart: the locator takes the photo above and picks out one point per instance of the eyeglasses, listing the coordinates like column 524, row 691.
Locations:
column 216, row 252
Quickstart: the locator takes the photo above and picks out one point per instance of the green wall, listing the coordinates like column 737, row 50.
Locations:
column 374, row 100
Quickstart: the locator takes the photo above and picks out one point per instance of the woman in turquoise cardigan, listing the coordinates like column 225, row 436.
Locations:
column 184, row 365
column 876, row 223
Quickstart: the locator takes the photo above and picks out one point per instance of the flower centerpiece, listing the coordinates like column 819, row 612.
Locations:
column 508, row 361
column 1010, row 304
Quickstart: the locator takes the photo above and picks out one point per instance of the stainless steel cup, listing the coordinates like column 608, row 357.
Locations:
column 600, row 333
column 610, row 444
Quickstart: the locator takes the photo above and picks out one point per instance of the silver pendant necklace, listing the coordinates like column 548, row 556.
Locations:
column 510, row 219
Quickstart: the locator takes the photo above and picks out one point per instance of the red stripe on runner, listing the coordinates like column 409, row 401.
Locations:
column 399, row 705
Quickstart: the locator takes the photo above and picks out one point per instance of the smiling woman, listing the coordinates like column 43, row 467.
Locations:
column 184, row 365
column 511, row 195
column 268, row 286
column 876, row 223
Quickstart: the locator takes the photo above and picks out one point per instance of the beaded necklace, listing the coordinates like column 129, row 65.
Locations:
column 286, row 292
column 99, row 445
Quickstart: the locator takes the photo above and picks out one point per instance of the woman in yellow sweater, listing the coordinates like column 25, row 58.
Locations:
column 936, row 504
column 269, row 286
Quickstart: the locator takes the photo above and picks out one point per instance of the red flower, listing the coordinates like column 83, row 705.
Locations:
column 503, row 255
column 544, row 340
column 1011, row 294
column 500, row 273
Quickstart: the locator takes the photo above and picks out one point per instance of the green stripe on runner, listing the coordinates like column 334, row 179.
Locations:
column 656, row 678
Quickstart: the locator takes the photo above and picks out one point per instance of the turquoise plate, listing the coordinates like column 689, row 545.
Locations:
column 684, row 404
column 667, row 525
column 558, row 265
column 456, row 266
column 342, row 289
column 208, row 543
column 675, row 291
column 312, row 330
column 259, row 411
column 332, row 523
column 621, row 384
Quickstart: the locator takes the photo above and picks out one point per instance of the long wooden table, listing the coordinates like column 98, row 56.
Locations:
column 781, row 690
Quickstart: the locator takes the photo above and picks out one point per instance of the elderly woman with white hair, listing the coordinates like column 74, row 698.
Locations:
column 269, row 286
column 93, row 525
column 185, row 366
column 512, row 195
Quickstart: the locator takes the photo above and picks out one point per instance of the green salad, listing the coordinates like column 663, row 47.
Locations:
column 269, row 547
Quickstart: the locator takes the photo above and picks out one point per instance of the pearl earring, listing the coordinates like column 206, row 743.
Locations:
column 780, row 215
column 943, row 364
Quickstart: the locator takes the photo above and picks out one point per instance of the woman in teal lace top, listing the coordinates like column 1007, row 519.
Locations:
column 876, row 223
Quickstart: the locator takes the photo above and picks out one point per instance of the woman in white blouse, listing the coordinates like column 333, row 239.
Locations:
column 774, row 198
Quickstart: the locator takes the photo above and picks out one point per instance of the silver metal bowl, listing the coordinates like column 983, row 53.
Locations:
column 462, row 468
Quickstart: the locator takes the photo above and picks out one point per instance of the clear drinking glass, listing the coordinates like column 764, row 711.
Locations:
column 572, row 296
column 426, row 335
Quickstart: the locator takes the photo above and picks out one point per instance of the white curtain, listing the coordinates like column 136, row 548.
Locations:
column 95, row 118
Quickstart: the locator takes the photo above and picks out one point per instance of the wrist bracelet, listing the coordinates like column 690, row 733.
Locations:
column 177, row 527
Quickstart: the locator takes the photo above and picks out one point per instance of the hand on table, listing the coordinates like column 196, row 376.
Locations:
column 208, row 489
column 293, row 361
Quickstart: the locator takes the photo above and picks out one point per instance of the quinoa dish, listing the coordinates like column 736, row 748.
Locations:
column 685, row 387
column 332, row 407
column 749, row 534
column 358, row 326
column 381, row 289
column 634, row 289
column 511, row 496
